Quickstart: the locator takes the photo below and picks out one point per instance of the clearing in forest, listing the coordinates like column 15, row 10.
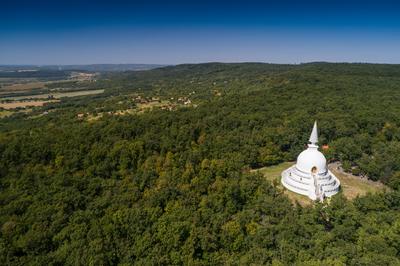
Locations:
column 351, row 185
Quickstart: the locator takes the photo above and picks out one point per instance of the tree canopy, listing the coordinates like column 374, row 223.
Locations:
column 165, row 187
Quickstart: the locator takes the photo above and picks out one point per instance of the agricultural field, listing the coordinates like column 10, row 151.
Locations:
column 56, row 95
column 35, row 88
column 22, row 87
column 24, row 91
column 24, row 104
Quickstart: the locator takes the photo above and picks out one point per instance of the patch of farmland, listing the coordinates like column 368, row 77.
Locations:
column 56, row 95
column 21, row 87
column 24, row 104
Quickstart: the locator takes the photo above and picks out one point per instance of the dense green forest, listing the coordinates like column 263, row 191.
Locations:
column 174, row 188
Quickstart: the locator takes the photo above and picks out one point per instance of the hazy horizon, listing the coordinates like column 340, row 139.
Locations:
column 206, row 62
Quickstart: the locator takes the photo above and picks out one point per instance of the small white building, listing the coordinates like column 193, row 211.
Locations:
column 310, row 175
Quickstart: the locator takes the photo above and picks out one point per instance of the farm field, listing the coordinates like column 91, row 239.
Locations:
column 23, row 104
column 22, row 87
column 56, row 95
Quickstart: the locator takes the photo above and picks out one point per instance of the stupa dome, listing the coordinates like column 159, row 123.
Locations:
column 311, row 158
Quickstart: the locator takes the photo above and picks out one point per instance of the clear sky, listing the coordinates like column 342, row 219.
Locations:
column 173, row 32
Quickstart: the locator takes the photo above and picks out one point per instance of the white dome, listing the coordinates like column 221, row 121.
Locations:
column 311, row 158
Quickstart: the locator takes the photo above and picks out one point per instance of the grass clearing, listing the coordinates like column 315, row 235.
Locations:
column 150, row 105
column 273, row 174
column 351, row 186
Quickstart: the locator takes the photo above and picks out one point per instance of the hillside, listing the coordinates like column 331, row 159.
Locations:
column 155, row 170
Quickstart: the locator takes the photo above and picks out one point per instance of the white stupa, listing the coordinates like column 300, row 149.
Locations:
column 310, row 175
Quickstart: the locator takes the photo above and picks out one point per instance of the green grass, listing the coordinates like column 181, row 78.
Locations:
column 353, row 186
column 273, row 174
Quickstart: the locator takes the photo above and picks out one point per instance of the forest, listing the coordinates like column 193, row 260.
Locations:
column 174, row 187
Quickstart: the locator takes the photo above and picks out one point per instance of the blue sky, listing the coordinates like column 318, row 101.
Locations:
column 173, row 32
